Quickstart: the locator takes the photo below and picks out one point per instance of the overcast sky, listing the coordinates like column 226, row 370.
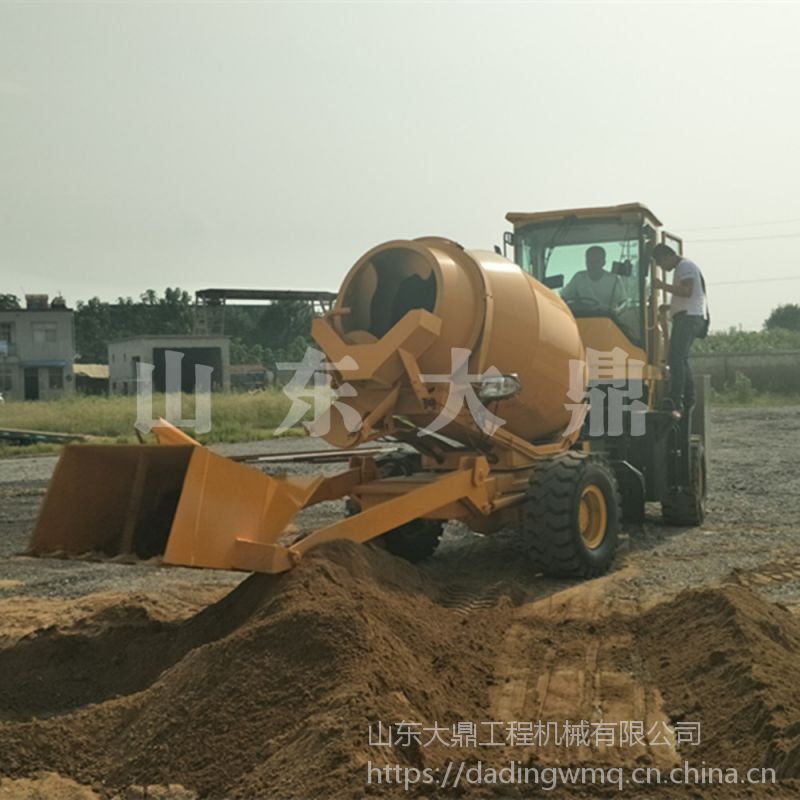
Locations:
column 267, row 145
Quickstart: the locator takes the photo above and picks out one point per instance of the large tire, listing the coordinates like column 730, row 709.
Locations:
column 416, row 540
column 687, row 509
column 571, row 516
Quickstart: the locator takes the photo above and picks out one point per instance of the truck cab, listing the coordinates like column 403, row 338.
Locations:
column 599, row 261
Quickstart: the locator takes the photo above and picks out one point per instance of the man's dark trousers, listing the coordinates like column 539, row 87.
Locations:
column 685, row 329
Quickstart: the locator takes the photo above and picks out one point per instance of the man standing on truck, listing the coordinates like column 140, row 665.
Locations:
column 689, row 312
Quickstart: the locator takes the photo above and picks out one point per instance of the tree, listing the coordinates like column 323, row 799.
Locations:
column 9, row 302
column 785, row 316
column 280, row 331
column 247, row 354
column 97, row 323
column 94, row 327
column 285, row 327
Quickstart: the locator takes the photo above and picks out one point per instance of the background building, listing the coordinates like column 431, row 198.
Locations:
column 91, row 378
column 125, row 354
column 37, row 350
column 250, row 377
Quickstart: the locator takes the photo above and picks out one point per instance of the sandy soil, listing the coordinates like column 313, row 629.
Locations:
column 121, row 677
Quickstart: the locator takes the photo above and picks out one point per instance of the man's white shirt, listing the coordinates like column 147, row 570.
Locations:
column 608, row 291
column 695, row 305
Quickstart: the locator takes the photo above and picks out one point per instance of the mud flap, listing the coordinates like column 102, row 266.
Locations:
column 632, row 488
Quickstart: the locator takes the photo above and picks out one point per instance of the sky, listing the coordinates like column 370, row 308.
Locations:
column 268, row 145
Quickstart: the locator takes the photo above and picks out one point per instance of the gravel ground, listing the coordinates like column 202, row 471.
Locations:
column 752, row 517
column 750, row 538
column 750, row 535
column 23, row 482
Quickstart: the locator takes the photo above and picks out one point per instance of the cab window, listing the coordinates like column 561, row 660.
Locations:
column 594, row 264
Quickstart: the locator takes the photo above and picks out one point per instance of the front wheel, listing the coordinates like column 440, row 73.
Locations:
column 571, row 516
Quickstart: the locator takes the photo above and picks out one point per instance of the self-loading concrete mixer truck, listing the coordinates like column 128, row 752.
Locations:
column 511, row 405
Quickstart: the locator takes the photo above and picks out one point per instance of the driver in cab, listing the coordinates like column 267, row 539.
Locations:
column 594, row 288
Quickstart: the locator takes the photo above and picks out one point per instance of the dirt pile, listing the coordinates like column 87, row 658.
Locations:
column 49, row 786
column 27, row 614
column 729, row 659
column 45, row 785
column 267, row 693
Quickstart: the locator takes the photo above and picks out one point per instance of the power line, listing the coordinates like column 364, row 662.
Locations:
column 757, row 280
column 747, row 238
column 743, row 225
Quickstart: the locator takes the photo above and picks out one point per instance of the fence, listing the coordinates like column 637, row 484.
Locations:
column 777, row 371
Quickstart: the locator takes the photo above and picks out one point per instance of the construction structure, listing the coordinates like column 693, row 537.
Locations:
column 251, row 377
column 91, row 378
column 210, row 304
column 37, row 349
column 125, row 356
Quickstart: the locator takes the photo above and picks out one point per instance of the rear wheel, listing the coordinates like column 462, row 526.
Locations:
column 416, row 540
column 687, row 507
column 572, row 516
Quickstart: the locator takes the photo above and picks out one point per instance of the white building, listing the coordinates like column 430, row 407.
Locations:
column 37, row 350
column 124, row 355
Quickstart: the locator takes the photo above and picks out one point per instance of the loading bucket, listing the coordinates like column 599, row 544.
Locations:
column 179, row 501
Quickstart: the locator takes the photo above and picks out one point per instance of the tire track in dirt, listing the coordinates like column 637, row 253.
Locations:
column 549, row 669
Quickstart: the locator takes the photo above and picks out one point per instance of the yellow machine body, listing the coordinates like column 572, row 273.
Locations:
column 406, row 305
column 402, row 313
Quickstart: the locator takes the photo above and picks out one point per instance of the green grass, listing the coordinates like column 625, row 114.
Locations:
column 734, row 341
column 234, row 418
column 39, row 449
column 730, row 398
column 741, row 394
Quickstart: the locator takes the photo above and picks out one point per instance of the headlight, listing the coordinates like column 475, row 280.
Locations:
column 499, row 387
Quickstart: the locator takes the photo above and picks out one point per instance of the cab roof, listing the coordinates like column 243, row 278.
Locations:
column 518, row 218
